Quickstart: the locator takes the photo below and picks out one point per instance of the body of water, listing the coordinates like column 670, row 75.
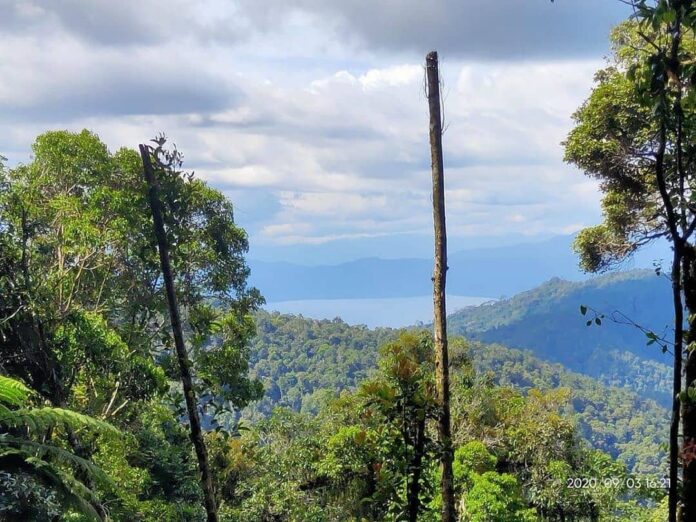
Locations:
column 394, row 312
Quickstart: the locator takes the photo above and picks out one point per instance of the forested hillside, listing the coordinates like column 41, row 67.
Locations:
column 547, row 321
column 337, row 422
column 304, row 363
column 141, row 379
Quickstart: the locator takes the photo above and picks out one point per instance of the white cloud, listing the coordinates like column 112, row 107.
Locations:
column 334, row 142
column 334, row 204
column 391, row 76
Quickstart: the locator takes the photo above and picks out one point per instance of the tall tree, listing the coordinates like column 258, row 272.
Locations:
column 402, row 397
column 83, row 304
column 177, row 331
column 439, row 284
column 61, row 275
column 635, row 134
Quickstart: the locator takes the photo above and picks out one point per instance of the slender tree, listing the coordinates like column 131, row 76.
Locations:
column 635, row 134
column 402, row 397
column 182, row 356
column 439, row 283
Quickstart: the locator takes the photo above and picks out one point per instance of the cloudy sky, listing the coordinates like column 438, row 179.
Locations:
column 310, row 114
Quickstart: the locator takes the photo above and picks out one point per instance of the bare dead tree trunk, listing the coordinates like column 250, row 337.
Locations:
column 182, row 356
column 439, row 282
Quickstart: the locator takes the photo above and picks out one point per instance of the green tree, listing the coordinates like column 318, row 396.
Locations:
column 403, row 397
column 635, row 134
column 82, row 319
column 495, row 496
column 77, row 246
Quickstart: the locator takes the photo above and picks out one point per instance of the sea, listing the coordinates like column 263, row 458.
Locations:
column 393, row 312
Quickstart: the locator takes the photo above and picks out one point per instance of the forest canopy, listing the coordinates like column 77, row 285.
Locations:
column 91, row 420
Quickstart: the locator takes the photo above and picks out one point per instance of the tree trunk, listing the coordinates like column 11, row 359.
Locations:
column 414, row 485
column 182, row 356
column 676, row 383
column 688, row 407
column 439, row 282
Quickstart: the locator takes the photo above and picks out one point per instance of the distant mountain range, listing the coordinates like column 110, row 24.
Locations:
column 485, row 272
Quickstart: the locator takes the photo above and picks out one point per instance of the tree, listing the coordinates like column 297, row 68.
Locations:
column 82, row 314
column 432, row 69
column 635, row 134
column 177, row 331
column 403, row 398
column 57, row 262
column 495, row 496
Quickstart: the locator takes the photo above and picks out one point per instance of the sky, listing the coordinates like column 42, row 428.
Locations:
column 311, row 115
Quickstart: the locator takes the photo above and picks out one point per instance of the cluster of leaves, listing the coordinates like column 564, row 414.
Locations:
column 83, row 316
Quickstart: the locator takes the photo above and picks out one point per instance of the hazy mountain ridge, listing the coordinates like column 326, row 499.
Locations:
column 484, row 272
column 410, row 277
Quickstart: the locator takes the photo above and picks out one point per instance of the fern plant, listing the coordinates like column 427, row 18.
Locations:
column 21, row 429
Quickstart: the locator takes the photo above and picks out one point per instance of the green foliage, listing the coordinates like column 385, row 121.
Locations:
column 83, row 322
column 26, row 459
column 302, row 362
column 401, row 400
column 472, row 457
column 614, row 140
column 615, row 420
column 354, row 460
column 83, row 319
column 546, row 321
column 495, row 496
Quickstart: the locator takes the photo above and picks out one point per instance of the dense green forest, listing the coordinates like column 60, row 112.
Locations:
column 303, row 420
column 304, row 363
column 141, row 379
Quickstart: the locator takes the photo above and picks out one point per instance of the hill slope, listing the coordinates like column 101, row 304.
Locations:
column 303, row 361
column 547, row 320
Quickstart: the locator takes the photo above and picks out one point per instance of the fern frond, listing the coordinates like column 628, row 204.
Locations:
column 41, row 419
column 58, row 454
column 13, row 392
column 75, row 493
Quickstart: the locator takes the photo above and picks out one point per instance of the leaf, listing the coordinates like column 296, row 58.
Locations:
column 583, row 309
column 13, row 392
